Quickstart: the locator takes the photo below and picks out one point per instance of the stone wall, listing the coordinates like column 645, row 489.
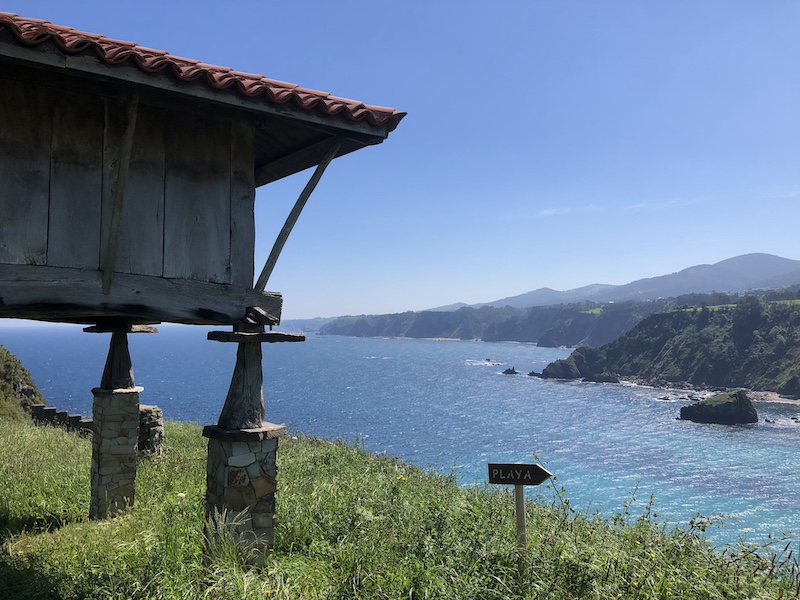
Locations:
column 151, row 430
column 48, row 415
column 151, row 425
column 241, row 480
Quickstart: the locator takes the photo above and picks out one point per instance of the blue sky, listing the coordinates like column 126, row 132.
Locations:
column 547, row 144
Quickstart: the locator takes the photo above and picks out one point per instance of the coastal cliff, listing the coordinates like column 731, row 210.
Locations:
column 753, row 344
column 571, row 325
column 17, row 389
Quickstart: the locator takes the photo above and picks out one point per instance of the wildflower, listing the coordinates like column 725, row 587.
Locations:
column 635, row 584
column 652, row 555
column 181, row 496
column 400, row 478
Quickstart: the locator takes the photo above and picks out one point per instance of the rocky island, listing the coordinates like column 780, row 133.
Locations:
column 730, row 408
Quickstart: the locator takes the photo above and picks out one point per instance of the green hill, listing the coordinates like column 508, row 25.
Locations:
column 17, row 390
column 350, row 525
column 753, row 344
column 550, row 326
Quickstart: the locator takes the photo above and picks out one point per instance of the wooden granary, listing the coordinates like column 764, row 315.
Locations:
column 129, row 175
column 127, row 189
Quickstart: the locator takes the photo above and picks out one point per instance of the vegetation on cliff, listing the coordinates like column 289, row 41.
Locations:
column 571, row 325
column 753, row 344
column 549, row 326
column 729, row 408
column 17, row 389
column 349, row 525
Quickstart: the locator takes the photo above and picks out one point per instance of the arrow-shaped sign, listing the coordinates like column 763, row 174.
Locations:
column 518, row 474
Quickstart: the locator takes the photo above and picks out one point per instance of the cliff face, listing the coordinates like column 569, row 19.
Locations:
column 754, row 344
column 548, row 326
column 17, row 389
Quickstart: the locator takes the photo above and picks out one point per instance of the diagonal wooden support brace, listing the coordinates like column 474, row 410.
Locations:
column 261, row 284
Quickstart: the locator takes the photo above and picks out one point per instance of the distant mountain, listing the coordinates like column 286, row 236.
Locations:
column 449, row 307
column 738, row 274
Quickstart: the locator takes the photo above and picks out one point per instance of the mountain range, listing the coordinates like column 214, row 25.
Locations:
column 738, row 274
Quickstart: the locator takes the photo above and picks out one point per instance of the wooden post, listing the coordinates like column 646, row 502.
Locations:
column 261, row 284
column 519, row 475
column 244, row 404
column 522, row 533
column 126, row 150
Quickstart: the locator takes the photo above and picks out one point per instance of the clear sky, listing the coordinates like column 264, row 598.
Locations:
column 547, row 143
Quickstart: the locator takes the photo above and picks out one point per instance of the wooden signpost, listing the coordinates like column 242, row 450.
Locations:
column 519, row 475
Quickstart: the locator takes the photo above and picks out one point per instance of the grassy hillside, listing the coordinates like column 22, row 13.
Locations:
column 17, row 389
column 752, row 344
column 350, row 525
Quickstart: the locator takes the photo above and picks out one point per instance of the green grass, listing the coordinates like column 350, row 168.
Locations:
column 349, row 525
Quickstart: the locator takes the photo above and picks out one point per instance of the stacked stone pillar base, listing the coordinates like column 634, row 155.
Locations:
column 241, row 481
column 114, row 450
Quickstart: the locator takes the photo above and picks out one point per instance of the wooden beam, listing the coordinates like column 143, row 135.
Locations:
column 258, row 316
column 75, row 296
column 261, row 284
column 259, row 337
column 126, row 149
column 111, row 327
column 306, row 157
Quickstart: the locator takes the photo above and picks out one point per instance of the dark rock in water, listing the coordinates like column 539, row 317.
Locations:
column 511, row 371
column 564, row 368
column 731, row 408
column 534, row 374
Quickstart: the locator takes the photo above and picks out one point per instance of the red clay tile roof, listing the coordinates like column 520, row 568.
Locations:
column 34, row 32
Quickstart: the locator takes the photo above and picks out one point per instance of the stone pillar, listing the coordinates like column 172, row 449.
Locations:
column 114, row 451
column 241, row 477
column 242, row 448
column 115, row 437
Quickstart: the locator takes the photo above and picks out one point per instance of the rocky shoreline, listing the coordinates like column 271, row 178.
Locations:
column 698, row 392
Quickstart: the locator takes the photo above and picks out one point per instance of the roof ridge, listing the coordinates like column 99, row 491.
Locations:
column 35, row 32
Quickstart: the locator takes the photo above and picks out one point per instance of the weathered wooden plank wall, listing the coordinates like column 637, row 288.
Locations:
column 76, row 182
column 187, row 210
column 243, row 195
column 140, row 248
column 197, row 198
column 25, row 136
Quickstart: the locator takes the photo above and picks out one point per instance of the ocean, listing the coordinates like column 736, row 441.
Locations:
column 446, row 405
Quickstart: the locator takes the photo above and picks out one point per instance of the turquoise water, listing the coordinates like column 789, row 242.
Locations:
column 440, row 404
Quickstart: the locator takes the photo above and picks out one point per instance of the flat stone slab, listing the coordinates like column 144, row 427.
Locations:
column 256, row 336
column 259, row 434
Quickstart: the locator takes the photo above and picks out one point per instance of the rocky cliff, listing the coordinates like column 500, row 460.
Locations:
column 17, row 389
column 753, row 344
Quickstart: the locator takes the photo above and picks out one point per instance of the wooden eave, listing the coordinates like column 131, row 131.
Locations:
column 288, row 140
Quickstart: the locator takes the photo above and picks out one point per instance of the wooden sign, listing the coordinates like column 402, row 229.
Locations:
column 518, row 474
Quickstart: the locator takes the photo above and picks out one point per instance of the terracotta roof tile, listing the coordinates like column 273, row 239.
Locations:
column 34, row 32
